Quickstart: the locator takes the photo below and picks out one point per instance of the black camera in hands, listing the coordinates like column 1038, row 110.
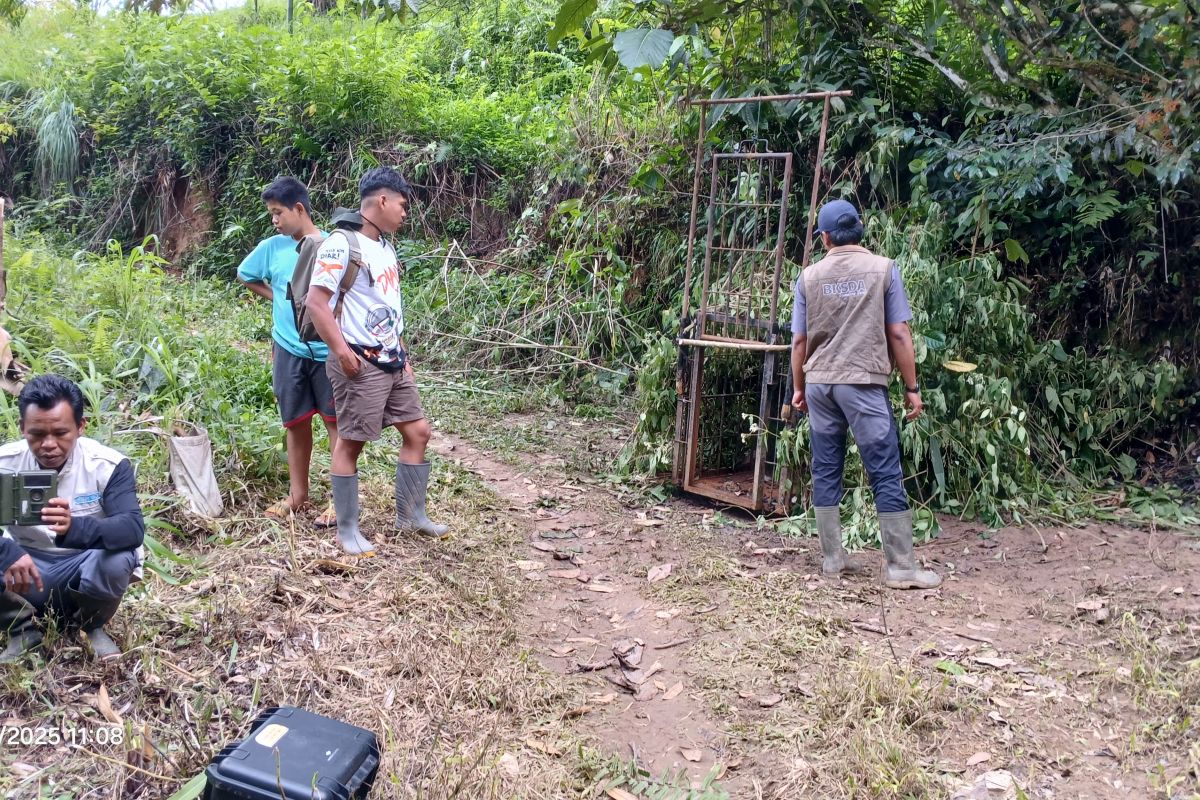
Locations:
column 23, row 495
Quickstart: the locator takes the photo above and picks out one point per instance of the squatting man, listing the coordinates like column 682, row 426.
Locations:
column 849, row 321
column 78, row 563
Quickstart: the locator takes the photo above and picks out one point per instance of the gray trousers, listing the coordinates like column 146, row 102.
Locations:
column 866, row 412
column 82, row 587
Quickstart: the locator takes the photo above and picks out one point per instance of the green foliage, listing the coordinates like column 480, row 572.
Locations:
column 1034, row 422
column 570, row 17
column 148, row 351
column 211, row 107
column 643, row 47
column 1033, row 418
column 12, row 12
column 192, row 789
column 52, row 118
column 1074, row 162
column 1066, row 135
column 649, row 449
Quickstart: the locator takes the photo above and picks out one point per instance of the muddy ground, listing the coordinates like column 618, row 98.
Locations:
column 576, row 638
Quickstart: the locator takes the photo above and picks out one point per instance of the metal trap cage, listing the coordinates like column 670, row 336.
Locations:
column 733, row 374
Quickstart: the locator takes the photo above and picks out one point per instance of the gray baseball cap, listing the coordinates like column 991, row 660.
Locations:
column 837, row 214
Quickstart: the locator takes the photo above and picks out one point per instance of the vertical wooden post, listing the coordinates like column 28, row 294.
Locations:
column 697, row 165
column 816, row 186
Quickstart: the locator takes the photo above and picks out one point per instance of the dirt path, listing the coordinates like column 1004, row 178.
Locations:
column 1061, row 662
column 590, row 558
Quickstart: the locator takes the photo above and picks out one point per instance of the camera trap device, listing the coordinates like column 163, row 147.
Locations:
column 24, row 494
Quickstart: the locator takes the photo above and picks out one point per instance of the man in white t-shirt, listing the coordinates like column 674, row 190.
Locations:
column 368, row 364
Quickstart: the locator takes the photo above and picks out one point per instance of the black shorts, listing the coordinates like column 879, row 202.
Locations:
column 301, row 388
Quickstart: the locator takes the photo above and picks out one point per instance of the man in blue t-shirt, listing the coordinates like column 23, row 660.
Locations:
column 298, row 368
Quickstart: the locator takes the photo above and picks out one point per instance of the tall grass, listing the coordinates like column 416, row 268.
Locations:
column 57, row 134
column 149, row 351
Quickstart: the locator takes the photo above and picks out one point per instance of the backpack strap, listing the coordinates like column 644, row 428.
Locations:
column 353, row 265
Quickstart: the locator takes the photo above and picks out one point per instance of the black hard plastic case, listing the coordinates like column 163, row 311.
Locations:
column 318, row 759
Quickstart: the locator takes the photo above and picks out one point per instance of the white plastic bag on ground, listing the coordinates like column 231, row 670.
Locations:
column 192, row 471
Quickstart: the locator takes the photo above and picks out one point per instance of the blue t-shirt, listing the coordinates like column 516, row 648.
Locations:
column 272, row 263
column 895, row 303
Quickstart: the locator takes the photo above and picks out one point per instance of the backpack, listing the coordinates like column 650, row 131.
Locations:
column 297, row 288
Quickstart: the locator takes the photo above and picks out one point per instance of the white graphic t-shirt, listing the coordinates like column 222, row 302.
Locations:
column 373, row 310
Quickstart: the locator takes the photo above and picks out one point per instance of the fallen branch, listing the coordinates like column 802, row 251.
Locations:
column 669, row 645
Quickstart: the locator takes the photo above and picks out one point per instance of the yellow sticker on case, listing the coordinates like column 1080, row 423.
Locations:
column 270, row 735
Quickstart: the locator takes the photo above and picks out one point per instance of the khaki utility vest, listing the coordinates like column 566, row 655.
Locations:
column 844, row 295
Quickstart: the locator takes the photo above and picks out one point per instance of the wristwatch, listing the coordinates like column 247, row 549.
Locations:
column 912, row 389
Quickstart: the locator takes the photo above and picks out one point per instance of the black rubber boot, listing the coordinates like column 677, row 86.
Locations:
column 16, row 619
column 94, row 613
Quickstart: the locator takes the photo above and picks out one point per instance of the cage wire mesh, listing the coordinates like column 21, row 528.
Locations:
column 733, row 374
column 747, row 210
column 734, row 384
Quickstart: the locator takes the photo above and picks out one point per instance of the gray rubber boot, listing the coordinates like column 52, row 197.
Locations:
column 412, row 483
column 834, row 558
column 900, row 568
column 345, row 503
column 93, row 615
column 16, row 619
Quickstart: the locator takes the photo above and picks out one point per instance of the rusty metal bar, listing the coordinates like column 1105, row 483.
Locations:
column 698, row 161
column 717, row 316
column 738, row 249
column 677, row 447
column 772, row 98
column 780, row 233
column 747, row 205
column 689, row 466
column 768, row 378
column 708, row 245
column 749, row 156
column 816, row 187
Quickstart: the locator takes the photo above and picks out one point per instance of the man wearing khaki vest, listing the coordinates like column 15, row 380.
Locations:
column 850, row 319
